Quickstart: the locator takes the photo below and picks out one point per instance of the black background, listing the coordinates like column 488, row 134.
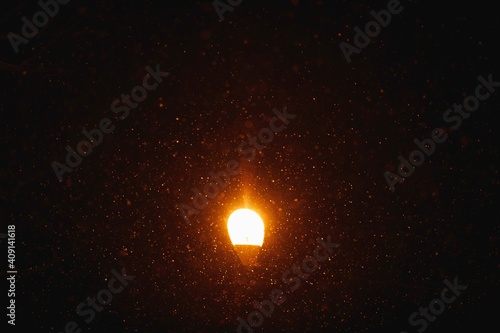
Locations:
column 321, row 176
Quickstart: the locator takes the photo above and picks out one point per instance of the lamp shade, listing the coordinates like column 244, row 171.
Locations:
column 246, row 231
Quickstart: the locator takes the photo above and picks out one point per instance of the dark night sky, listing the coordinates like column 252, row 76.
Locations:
column 322, row 175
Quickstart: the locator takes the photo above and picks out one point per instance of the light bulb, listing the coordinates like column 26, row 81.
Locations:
column 246, row 231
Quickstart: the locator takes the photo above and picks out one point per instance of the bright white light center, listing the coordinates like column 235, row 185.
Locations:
column 245, row 227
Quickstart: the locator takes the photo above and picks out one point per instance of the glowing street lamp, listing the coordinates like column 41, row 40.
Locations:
column 246, row 230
